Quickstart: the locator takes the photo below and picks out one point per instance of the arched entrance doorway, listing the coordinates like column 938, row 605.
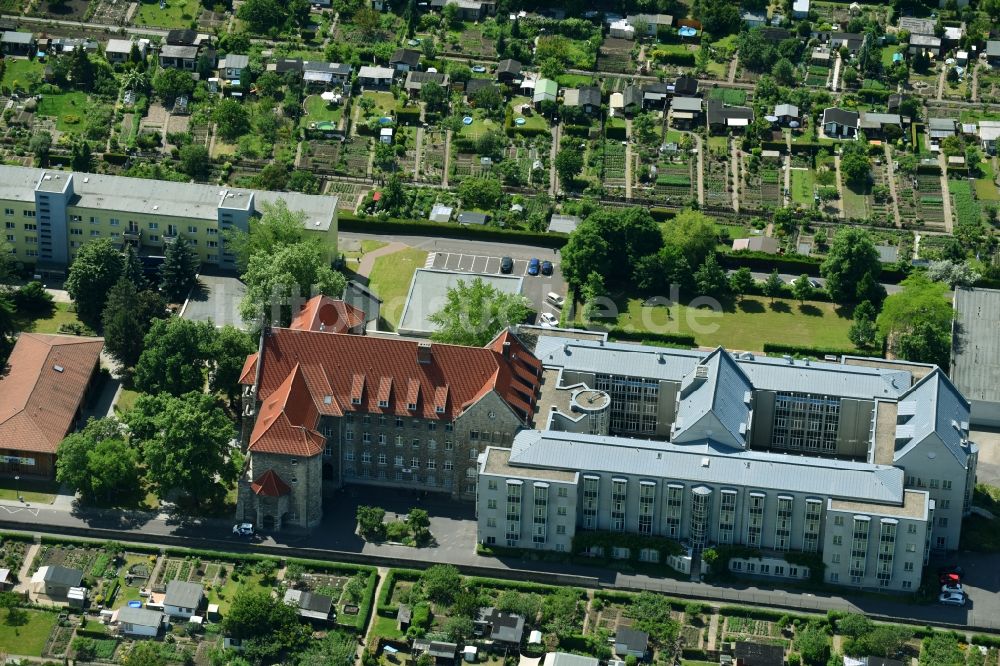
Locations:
column 268, row 522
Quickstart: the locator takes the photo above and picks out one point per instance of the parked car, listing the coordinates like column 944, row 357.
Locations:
column 243, row 529
column 506, row 265
column 952, row 599
column 950, row 579
column 546, row 267
column 555, row 299
column 956, row 588
column 533, row 266
column 548, row 319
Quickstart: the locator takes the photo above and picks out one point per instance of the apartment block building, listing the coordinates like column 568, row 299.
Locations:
column 48, row 215
column 714, row 448
column 329, row 407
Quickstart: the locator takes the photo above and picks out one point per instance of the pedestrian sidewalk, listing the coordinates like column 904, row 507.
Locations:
column 368, row 259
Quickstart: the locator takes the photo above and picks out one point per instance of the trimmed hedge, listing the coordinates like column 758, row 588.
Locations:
column 577, row 130
column 360, row 621
column 644, row 336
column 349, row 222
column 986, row 640
column 520, row 586
column 385, row 607
column 796, row 264
column 803, row 350
column 763, row 613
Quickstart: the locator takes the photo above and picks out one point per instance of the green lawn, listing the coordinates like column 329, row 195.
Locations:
column 718, row 144
column 28, row 639
column 69, row 110
column 855, row 203
column 748, row 325
column 178, row 13
column 128, row 593
column 224, row 597
column 126, row 400
column 19, row 71
column 62, row 314
column 384, row 103
column 478, row 127
column 390, row 280
column 986, row 190
column 317, row 110
column 803, row 182
column 33, row 491
column 534, row 121
column 387, row 627
column 574, row 80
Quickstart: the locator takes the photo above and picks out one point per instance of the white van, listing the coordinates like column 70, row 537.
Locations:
column 555, row 299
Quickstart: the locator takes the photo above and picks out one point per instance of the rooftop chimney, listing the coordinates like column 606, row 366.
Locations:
column 424, row 353
column 506, row 349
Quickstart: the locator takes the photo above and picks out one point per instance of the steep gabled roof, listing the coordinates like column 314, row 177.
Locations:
column 287, row 419
column 840, row 116
column 305, row 374
column 43, row 389
column 717, row 388
column 269, row 484
column 933, row 407
column 322, row 313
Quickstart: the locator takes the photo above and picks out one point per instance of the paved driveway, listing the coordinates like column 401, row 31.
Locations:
column 216, row 299
column 535, row 287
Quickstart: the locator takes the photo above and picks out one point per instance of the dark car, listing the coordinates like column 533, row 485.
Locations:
column 546, row 267
column 506, row 265
column 533, row 266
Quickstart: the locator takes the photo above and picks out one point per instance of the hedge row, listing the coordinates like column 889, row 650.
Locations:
column 384, row 606
column 644, row 336
column 360, row 621
column 349, row 222
column 86, row 543
column 635, row 543
column 519, row 585
column 804, row 350
column 615, row 132
column 986, row 640
column 762, row 261
column 762, row 613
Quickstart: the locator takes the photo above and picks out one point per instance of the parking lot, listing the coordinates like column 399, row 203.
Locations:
column 535, row 287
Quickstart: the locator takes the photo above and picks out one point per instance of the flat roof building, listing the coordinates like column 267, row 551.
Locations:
column 55, row 212
column 975, row 352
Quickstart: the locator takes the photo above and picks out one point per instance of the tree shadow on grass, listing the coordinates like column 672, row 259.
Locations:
column 781, row 306
column 751, row 307
column 810, row 310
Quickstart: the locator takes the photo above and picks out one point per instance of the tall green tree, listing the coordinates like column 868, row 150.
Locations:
column 83, row 158
column 277, row 227
column 195, row 161
column 773, row 286
column 268, row 627
column 863, row 332
column 693, row 233
column 97, row 267
column 569, row 164
column 474, row 312
column 99, row 463
column 710, row 278
column 228, row 352
column 132, row 269
column 741, row 282
column 185, row 444
column 852, row 255
column 802, row 288
column 610, row 242
column 274, row 280
column 171, row 83
column 179, row 271
column 231, row 119
column 174, row 357
column 128, row 315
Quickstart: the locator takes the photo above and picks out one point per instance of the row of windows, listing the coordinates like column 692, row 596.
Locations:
column 400, row 422
column 933, row 484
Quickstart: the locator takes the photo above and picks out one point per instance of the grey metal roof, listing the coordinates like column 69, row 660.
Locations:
column 505, row 626
column 975, row 364
column 993, row 48
column 940, row 124
column 878, row 120
column 764, row 372
column 881, row 484
column 917, row 26
column 715, row 388
column 62, row 575
column 405, row 57
column 236, row 61
column 632, row 639
column 144, row 617
column 786, row 110
column 925, row 40
column 184, row 200
column 509, row 66
column 934, row 407
column 563, row 223
column 178, row 51
column 183, row 594
column 685, row 104
column 566, row 659
column 370, row 72
column 14, row 37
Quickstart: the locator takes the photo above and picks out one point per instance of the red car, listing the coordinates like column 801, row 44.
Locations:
column 950, row 579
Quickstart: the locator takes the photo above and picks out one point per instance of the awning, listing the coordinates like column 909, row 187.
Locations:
column 737, row 122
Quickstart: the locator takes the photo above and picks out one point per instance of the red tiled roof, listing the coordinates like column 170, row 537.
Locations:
column 287, row 420
column 269, row 484
column 43, row 389
column 336, row 368
column 249, row 372
column 327, row 314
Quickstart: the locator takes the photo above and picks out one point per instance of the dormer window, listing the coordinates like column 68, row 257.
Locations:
column 412, row 406
column 439, row 409
column 355, row 401
column 383, row 403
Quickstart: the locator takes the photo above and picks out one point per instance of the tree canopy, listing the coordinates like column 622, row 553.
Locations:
column 268, row 627
column 93, row 273
column 610, row 242
column 174, row 357
column 282, row 276
column 851, row 257
column 128, row 315
column 98, row 462
column 179, row 270
column 277, row 227
column 474, row 312
column 916, row 322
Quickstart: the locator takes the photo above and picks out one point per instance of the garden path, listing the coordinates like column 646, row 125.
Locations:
column 975, row 82
column 840, row 186
column 628, row 159
column 892, row 185
column 701, row 168
column 940, row 85
column 735, row 159
column 367, row 262
column 24, row 575
column 713, row 630
column 553, row 186
column 945, row 192
column 836, row 74
column 447, row 158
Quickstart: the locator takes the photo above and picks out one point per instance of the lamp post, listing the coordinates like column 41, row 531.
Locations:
column 17, row 486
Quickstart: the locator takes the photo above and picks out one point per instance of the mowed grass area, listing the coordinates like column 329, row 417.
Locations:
column 317, row 110
column 855, row 202
column 20, row 70
column 33, row 491
column 69, row 109
column 177, row 14
column 62, row 314
column 534, row 121
column 384, row 103
column 986, row 189
column 803, row 182
column 29, row 638
column 748, row 324
column 126, row 400
column 479, row 127
column 390, row 280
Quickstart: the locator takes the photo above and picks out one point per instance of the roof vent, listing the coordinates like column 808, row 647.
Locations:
column 705, row 462
column 328, row 400
column 157, row 207
column 58, row 368
column 788, row 358
column 86, row 180
column 701, row 372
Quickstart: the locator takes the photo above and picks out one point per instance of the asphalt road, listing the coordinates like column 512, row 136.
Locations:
column 453, row 528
